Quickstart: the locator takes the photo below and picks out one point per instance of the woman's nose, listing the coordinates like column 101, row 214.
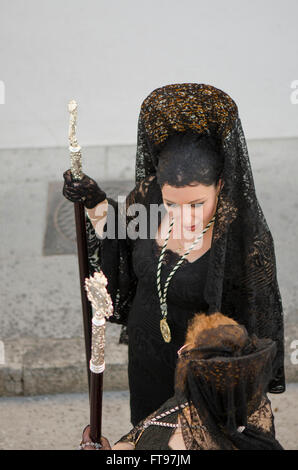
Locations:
column 192, row 216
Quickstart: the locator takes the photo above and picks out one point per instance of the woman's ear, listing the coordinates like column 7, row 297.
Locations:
column 220, row 185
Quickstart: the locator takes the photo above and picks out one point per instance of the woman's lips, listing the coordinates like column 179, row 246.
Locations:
column 191, row 228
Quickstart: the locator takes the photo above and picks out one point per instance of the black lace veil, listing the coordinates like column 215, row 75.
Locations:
column 225, row 378
column 241, row 280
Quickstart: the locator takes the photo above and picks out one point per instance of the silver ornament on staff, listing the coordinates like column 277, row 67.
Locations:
column 81, row 232
column 74, row 147
column 103, row 307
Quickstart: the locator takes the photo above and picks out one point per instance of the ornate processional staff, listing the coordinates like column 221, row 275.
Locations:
column 102, row 304
column 76, row 172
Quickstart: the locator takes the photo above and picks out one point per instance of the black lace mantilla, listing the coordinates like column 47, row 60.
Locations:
column 241, row 281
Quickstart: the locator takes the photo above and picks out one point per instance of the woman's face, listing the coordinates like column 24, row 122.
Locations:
column 191, row 205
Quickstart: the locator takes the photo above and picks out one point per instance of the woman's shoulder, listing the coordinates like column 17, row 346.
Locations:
column 171, row 404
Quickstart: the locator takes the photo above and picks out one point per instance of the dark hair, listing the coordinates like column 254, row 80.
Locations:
column 186, row 158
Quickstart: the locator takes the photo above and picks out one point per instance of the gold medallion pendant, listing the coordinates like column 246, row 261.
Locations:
column 165, row 330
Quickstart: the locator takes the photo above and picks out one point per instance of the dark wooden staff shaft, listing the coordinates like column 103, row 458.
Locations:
column 96, row 406
column 84, row 272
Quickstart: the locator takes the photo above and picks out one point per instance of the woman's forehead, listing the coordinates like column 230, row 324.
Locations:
column 186, row 194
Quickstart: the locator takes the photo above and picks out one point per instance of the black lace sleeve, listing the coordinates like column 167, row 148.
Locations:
column 112, row 253
column 135, row 433
column 153, row 437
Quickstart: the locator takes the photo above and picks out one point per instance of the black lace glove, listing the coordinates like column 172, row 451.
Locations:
column 85, row 190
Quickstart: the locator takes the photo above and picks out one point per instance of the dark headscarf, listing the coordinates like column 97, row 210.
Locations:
column 241, row 280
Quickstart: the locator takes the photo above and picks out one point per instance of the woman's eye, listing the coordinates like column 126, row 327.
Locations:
column 199, row 204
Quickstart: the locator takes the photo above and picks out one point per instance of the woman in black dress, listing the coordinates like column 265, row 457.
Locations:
column 191, row 151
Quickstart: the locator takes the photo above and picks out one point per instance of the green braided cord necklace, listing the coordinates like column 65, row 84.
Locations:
column 164, row 327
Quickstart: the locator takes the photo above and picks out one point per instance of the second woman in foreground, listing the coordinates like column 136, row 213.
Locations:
column 220, row 397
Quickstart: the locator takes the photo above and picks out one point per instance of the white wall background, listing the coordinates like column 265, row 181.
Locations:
column 110, row 54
